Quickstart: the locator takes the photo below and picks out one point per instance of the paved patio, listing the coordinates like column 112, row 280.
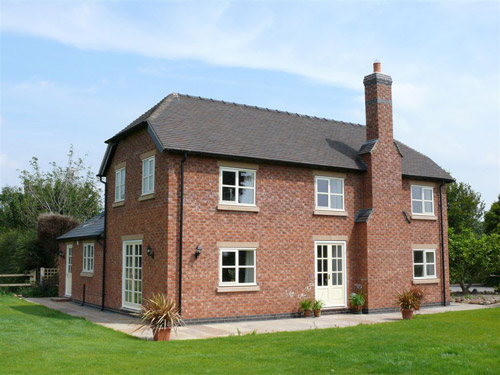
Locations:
column 129, row 325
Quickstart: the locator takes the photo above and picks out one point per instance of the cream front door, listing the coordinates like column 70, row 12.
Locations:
column 69, row 269
column 330, row 273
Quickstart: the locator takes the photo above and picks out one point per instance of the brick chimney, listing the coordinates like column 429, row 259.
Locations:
column 378, row 104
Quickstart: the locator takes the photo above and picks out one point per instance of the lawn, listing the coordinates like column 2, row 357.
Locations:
column 36, row 340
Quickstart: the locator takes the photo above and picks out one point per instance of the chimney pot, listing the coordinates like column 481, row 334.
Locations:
column 377, row 66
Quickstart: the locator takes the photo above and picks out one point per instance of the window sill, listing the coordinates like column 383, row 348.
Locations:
column 330, row 213
column 87, row 274
column 230, row 207
column 119, row 204
column 423, row 217
column 425, row 281
column 232, row 289
column 146, row 197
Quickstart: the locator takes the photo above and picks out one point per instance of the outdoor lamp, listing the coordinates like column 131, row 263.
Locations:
column 198, row 251
column 150, row 252
column 61, row 254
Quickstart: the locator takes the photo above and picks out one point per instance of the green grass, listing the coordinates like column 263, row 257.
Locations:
column 37, row 340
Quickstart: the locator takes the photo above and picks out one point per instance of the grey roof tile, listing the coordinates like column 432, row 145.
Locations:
column 92, row 228
column 363, row 215
column 206, row 126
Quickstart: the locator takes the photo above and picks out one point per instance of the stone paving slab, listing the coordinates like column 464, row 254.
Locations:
column 130, row 325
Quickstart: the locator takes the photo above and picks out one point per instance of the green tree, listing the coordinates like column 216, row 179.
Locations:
column 492, row 218
column 11, row 206
column 465, row 208
column 472, row 257
column 71, row 190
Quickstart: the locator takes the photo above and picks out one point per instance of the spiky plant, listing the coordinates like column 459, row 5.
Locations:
column 160, row 312
column 410, row 299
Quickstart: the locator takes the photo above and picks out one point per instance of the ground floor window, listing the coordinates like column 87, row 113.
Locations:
column 88, row 257
column 424, row 264
column 237, row 267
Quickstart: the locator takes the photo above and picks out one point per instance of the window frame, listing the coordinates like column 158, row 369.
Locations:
column 329, row 193
column 423, row 200
column 237, row 187
column 88, row 258
column 152, row 175
column 237, row 266
column 424, row 264
column 118, row 184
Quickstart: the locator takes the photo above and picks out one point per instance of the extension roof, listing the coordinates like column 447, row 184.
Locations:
column 92, row 228
column 183, row 123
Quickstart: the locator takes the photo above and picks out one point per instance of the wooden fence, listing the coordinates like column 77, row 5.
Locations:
column 31, row 275
column 46, row 276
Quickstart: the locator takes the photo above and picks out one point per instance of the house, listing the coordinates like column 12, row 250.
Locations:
column 239, row 212
column 82, row 251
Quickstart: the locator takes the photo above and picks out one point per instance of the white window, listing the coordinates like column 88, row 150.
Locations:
column 424, row 264
column 88, row 257
column 237, row 267
column 148, row 175
column 119, row 185
column 422, row 200
column 237, row 186
column 329, row 192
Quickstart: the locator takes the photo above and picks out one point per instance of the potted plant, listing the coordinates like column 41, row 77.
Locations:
column 306, row 306
column 317, row 306
column 409, row 300
column 357, row 299
column 161, row 315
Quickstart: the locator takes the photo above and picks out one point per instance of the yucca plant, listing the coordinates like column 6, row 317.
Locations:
column 160, row 313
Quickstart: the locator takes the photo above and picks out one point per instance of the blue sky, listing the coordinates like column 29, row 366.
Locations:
column 76, row 73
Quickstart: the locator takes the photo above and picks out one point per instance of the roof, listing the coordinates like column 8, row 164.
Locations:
column 183, row 123
column 92, row 228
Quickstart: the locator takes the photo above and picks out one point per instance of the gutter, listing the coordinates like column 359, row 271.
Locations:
column 181, row 220
column 104, row 243
column 443, row 271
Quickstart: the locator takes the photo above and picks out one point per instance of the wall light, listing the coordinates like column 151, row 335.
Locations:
column 150, row 252
column 198, row 251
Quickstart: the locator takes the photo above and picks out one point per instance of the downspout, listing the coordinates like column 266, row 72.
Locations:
column 104, row 243
column 443, row 274
column 181, row 214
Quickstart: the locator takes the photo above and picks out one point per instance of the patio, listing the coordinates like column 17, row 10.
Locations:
column 129, row 324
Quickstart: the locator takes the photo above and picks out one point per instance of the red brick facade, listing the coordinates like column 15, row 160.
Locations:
column 378, row 252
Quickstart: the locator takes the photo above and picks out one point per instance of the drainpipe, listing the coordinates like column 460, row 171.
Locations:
column 442, row 241
column 104, row 243
column 181, row 214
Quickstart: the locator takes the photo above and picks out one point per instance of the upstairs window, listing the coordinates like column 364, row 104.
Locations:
column 422, row 200
column 119, row 184
column 88, row 257
column 148, row 176
column 424, row 264
column 329, row 193
column 237, row 186
column 237, row 267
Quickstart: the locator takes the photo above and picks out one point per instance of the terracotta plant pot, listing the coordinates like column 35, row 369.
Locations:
column 307, row 313
column 162, row 334
column 358, row 309
column 317, row 313
column 407, row 314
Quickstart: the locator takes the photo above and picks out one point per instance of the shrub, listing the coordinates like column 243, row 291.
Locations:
column 410, row 299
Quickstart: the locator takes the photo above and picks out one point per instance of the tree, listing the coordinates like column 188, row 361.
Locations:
column 492, row 219
column 472, row 257
column 70, row 190
column 465, row 208
column 11, row 203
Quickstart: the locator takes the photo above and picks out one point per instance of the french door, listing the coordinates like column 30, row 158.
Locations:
column 132, row 275
column 330, row 273
column 69, row 270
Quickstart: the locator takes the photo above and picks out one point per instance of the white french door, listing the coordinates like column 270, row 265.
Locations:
column 132, row 275
column 330, row 273
column 69, row 270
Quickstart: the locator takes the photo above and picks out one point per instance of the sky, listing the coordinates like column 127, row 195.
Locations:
column 75, row 73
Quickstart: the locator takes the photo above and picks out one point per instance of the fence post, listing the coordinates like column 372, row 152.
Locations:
column 33, row 277
column 42, row 275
